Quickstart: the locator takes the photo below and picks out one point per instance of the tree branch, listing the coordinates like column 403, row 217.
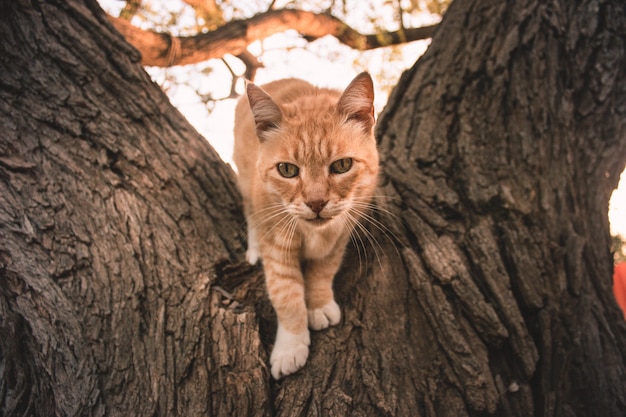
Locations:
column 164, row 50
column 130, row 9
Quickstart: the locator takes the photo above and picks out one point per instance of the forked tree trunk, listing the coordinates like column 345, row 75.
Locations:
column 123, row 287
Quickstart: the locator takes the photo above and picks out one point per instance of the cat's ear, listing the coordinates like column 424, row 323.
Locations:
column 357, row 101
column 267, row 114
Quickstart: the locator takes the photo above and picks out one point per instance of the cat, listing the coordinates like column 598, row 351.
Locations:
column 308, row 167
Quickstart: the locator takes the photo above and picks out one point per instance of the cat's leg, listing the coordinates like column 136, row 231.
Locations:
column 322, row 310
column 253, row 253
column 290, row 352
column 285, row 287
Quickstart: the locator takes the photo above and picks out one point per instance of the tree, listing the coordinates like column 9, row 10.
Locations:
column 124, row 290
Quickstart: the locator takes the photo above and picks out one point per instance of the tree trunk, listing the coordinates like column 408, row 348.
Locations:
column 114, row 215
column 123, row 286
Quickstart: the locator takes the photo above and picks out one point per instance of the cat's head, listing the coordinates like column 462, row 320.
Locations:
column 317, row 153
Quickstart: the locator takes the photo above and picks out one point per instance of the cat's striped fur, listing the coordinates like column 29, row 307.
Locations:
column 308, row 164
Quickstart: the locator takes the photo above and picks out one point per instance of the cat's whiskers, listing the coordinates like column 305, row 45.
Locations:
column 367, row 206
column 374, row 203
column 350, row 223
column 361, row 211
column 268, row 215
column 283, row 226
column 288, row 231
column 355, row 216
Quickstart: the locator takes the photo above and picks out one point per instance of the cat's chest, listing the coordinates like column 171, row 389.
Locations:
column 319, row 244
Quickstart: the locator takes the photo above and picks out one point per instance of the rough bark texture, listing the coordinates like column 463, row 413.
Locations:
column 123, row 289
column 505, row 144
column 114, row 213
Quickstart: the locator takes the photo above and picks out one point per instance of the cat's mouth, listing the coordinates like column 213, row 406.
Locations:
column 318, row 221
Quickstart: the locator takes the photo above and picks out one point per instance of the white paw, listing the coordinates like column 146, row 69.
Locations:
column 252, row 255
column 290, row 352
column 328, row 315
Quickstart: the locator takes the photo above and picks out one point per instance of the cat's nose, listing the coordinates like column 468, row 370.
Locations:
column 317, row 206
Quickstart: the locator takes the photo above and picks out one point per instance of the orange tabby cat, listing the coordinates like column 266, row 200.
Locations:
column 308, row 165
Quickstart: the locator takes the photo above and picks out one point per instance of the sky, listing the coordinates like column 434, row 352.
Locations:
column 325, row 63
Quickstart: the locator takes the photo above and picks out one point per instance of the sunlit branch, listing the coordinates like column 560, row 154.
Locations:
column 130, row 9
column 164, row 50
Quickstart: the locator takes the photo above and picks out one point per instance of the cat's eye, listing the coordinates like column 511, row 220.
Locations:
column 341, row 165
column 288, row 170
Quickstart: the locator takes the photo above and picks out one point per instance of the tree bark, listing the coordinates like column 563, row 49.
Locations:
column 124, row 289
column 114, row 215
column 504, row 145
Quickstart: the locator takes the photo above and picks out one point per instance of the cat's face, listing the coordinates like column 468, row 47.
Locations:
column 318, row 160
column 319, row 169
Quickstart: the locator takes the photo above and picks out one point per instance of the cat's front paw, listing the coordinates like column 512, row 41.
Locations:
column 327, row 315
column 290, row 352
